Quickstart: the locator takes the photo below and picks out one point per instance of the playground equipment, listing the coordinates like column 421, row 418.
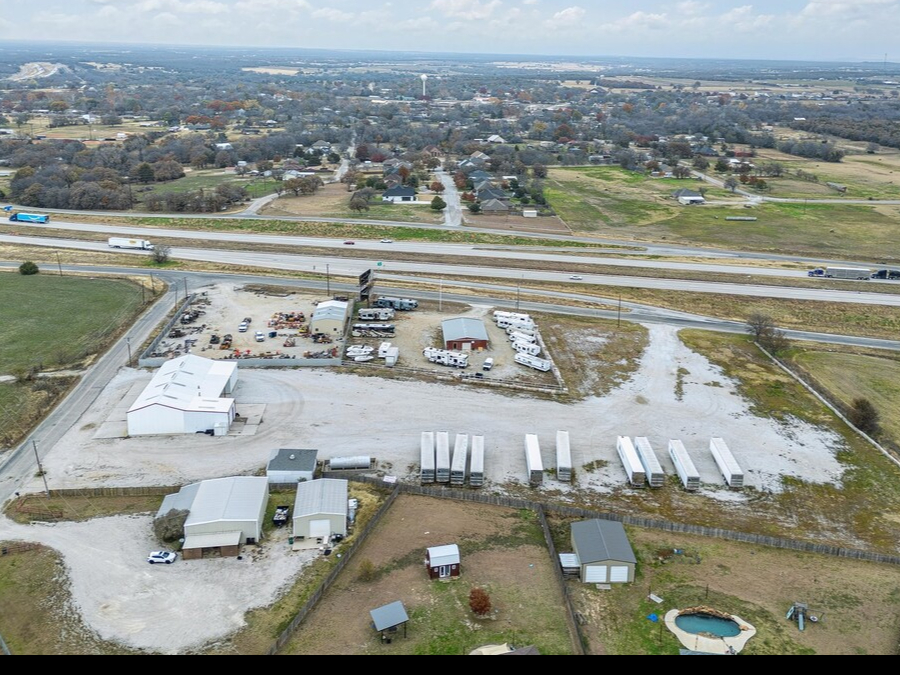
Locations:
column 801, row 613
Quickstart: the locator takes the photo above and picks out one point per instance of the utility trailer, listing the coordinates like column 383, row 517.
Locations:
column 684, row 465
column 476, row 462
column 442, row 457
column 731, row 470
column 634, row 470
column 563, row 457
column 426, row 458
column 460, row 460
column 533, row 463
column 656, row 477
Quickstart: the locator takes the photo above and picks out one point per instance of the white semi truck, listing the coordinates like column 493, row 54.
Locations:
column 125, row 242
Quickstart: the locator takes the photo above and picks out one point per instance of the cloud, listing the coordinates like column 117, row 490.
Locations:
column 692, row 7
column 332, row 14
column 530, row 2
column 467, row 10
column 570, row 16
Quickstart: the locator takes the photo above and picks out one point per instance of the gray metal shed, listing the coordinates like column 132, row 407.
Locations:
column 604, row 552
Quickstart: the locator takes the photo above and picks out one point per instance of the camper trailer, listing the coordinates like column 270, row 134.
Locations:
column 529, row 348
column 446, row 357
column 532, row 362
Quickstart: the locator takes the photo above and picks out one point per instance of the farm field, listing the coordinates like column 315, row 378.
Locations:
column 501, row 551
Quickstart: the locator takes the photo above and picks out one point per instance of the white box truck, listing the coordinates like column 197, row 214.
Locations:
column 125, row 242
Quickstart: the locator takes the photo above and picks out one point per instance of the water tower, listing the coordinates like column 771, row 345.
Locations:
column 424, row 79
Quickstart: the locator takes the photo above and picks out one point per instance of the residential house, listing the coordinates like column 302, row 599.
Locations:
column 399, row 194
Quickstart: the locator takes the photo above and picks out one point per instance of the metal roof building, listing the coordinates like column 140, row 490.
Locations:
column 329, row 317
column 464, row 333
column 320, row 508
column 186, row 395
column 224, row 513
column 604, row 552
column 288, row 465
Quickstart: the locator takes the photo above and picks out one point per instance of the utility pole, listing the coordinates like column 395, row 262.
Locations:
column 185, row 289
column 59, row 264
column 518, row 285
column 327, row 280
column 40, row 468
column 441, row 296
column 128, row 343
column 619, row 313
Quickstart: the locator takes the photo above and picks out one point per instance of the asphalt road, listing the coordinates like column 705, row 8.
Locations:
column 381, row 262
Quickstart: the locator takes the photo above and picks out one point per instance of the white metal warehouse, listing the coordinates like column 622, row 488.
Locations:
column 186, row 396
column 320, row 508
column 604, row 552
column 224, row 513
column 329, row 317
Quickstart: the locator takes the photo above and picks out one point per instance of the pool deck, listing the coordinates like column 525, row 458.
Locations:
column 711, row 645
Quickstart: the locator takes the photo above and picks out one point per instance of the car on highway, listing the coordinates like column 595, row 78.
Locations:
column 575, row 277
column 349, row 243
column 165, row 557
column 387, row 241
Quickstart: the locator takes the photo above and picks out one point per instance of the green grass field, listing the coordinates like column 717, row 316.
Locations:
column 51, row 321
column 850, row 376
column 612, row 202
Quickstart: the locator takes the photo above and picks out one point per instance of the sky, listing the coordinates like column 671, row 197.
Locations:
column 816, row 30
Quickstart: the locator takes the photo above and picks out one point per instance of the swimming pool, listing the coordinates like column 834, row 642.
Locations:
column 704, row 623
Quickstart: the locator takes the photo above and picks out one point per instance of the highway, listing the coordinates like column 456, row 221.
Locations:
column 352, row 267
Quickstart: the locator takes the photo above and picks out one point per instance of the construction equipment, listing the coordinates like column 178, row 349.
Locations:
column 290, row 342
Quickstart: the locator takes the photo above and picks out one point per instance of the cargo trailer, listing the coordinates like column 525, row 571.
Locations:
column 442, row 457
column 426, row 458
column 533, row 463
column 460, row 460
column 563, row 457
column 684, row 466
column 634, row 470
column 731, row 470
column 656, row 477
column 476, row 462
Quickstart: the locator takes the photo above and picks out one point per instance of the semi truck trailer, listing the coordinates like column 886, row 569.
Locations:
column 30, row 218
column 124, row 242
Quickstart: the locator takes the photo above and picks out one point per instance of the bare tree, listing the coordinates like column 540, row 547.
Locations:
column 161, row 253
column 766, row 334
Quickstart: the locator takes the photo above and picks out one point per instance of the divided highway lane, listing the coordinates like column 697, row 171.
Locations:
column 353, row 267
column 383, row 251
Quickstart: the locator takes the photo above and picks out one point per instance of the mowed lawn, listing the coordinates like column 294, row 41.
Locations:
column 49, row 321
column 851, row 376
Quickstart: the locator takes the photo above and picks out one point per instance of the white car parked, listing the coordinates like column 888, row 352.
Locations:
column 165, row 557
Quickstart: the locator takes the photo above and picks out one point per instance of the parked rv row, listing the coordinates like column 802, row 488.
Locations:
column 456, row 465
column 523, row 336
column 643, row 468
